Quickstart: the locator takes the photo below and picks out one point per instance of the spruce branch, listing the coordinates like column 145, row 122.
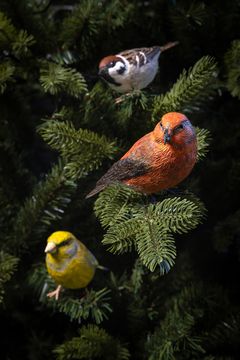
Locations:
column 81, row 25
column 7, row 32
column 82, row 150
column 227, row 332
column 92, row 343
column 203, row 140
column 8, row 265
column 116, row 14
column 55, row 79
column 21, row 43
column 232, row 61
column 145, row 227
column 155, row 244
column 47, row 204
column 40, row 281
column 189, row 17
column 179, row 215
column 64, row 57
column 130, row 104
column 8, row 206
column 115, row 204
column 120, row 238
column 6, row 75
column 93, row 304
column 90, row 19
column 17, row 42
column 191, row 90
column 175, row 337
column 136, row 279
column 63, row 137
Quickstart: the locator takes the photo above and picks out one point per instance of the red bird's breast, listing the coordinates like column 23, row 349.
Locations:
column 167, row 165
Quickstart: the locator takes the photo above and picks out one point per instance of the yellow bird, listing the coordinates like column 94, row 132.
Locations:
column 69, row 262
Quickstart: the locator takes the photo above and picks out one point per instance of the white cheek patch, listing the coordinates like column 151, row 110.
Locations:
column 114, row 70
column 144, row 56
column 137, row 60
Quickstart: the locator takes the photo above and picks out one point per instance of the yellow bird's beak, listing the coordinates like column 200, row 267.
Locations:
column 50, row 248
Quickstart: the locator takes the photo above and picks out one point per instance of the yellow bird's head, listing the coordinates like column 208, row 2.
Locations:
column 61, row 244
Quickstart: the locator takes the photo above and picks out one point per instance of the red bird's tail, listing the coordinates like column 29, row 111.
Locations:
column 96, row 190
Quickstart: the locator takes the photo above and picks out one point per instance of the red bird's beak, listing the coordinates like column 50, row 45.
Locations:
column 101, row 71
column 166, row 136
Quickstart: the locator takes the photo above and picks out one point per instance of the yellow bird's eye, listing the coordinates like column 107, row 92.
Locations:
column 64, row 243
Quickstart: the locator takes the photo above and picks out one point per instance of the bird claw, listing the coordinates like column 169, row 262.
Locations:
column 121, row 98
column 134, row 93
column 55, row 293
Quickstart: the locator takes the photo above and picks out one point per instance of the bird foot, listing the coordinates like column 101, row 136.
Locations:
column 83, row 293
column 174, row 191
column 132, row 94
column 153, row 199
column 55, row 293
column 121, row 98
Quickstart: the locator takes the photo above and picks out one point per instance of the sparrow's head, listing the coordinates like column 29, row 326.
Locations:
column 61, row 244
column 112, row 68
column 174, row 129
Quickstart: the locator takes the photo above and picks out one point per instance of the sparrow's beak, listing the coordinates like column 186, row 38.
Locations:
column 102, row 71
column 166, row 136
column 51, row 248
column 104, row 74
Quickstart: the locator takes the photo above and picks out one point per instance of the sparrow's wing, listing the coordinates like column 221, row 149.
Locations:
column 123, row 169
column 141, row 55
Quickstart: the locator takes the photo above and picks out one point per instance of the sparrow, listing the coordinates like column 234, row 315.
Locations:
column 132, row 69
column 158, row 161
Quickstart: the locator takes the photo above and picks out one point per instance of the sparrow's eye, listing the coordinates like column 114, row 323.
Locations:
column 111, row 64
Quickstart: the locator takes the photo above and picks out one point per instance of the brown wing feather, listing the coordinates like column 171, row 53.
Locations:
column 149, row 53
column 123, row 169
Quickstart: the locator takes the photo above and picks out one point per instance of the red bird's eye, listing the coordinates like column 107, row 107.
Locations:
column 178, row 128
column 160, row 124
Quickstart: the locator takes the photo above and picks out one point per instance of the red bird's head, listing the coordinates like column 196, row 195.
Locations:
column 174, row 129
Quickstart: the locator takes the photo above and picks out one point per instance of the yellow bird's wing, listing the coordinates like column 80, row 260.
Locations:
column 87, row 255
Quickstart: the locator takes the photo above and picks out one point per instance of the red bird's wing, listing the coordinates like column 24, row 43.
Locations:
column 123, row 169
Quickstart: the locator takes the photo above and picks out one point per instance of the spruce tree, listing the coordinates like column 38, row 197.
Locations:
column 167, row 294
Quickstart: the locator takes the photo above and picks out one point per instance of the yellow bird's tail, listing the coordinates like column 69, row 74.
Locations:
column 100, row 267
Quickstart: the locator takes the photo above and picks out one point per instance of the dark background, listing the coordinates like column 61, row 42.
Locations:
column 29, row 329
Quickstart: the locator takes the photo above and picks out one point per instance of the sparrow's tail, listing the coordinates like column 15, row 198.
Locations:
column 168, row 45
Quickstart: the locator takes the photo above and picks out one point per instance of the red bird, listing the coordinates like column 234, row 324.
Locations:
column 159, row 160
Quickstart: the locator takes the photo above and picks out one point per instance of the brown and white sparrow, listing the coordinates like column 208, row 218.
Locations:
column 132, row 69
